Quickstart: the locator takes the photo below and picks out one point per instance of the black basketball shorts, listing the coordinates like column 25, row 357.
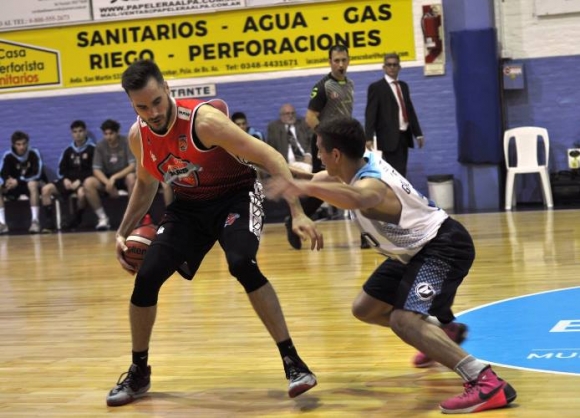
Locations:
column 428, row 283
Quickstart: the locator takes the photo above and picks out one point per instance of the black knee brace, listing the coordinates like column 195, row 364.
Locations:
column 144, row 294
column 248, row 274
column 148, row 282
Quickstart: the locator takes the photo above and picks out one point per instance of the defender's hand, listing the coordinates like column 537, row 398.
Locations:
column 306, row 229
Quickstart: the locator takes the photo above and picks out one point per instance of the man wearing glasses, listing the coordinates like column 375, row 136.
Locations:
column 390, row 116
column 291, row 137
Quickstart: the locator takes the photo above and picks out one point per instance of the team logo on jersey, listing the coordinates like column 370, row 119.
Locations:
column 334, row 95
column 425, row 291
column 182, row 141
column 231, row 219
column 180, row 172
column 153, row 156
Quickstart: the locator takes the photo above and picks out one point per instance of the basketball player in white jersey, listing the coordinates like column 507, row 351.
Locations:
column 428, row 252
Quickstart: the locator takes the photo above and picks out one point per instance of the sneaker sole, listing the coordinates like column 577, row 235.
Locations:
column 125, row 401
column 502, row 399
column 300, row 389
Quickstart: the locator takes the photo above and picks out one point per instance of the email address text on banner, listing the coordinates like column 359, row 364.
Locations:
column 132, row 9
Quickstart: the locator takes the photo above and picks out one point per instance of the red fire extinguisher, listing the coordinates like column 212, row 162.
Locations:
column 431, row 26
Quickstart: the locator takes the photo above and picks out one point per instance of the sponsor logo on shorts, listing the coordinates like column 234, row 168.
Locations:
column 231, row 218
column 425, row 291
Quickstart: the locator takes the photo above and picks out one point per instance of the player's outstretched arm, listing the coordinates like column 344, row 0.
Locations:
column 366, row 193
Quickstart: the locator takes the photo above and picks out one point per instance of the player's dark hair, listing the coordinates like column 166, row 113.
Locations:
column 18, row 135
column 345, row 134
column 239, row 115
column 110, row 125
column 78, row 124
column 337, row 48
column 137, row 75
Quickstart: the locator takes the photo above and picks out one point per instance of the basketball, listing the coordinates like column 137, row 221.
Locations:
column 137, row 244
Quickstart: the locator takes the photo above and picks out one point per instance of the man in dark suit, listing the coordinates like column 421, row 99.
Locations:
column 390, row 116
column 291, row 137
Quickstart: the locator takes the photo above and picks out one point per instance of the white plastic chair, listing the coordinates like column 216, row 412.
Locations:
column 526, row 140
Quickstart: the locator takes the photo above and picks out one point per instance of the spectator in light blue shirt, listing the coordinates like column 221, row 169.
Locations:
column 239, row 118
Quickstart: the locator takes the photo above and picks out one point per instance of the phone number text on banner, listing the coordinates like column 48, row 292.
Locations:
column 233, row 42
column 17, row 14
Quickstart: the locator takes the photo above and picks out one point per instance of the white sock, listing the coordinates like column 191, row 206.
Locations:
column 100, row 212
column 469, row 368
column 2, row 214
column 34, row 212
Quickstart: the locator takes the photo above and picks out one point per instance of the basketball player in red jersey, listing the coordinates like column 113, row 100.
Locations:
column 195, row 147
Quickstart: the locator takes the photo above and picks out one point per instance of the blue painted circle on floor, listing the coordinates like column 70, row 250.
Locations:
column 537, row 332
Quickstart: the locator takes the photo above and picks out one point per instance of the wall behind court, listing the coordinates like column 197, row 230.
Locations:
column 546, row 46
column 550, row 52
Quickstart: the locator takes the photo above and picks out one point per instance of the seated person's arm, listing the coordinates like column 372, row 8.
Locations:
column 71, row 185
column 123, row 173
column 98, row 173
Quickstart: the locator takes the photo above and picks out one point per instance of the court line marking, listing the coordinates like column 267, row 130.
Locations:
column 515, row 298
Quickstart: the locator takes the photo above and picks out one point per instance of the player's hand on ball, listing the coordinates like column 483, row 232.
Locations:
column 132, row 249
column 121, row 248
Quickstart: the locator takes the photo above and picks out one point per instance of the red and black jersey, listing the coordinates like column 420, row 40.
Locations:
column 179, row 158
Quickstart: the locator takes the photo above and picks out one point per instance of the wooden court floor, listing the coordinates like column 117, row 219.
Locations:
column 64, row 335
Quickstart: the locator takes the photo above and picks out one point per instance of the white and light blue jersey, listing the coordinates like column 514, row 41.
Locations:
column 419, row 221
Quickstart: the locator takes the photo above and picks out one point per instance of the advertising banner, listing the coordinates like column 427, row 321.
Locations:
column 226, row 43
column 17, row 14
column 137, row 9
column 254, row 3
column 27, row 66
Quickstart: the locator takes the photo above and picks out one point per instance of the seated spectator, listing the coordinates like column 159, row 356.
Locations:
column 240, row 119
column 113, row 170
column 75, row 166
column 21, row 174
column 291, row 137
